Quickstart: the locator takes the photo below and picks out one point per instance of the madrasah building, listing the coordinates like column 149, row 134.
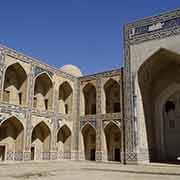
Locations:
column 130, row 114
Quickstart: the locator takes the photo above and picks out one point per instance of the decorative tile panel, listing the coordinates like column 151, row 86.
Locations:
column 39, row 70
column 9, row 156
column 18, row 156
column 92, row 122
column 161, row 25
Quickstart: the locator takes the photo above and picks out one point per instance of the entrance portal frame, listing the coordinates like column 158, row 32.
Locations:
column 141, row 39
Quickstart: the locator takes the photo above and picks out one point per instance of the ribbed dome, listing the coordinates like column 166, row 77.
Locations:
column 71, row 69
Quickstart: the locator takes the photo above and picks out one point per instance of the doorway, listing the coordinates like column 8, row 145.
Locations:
column 32, row 153
column 93, row 156
column 2, row 153
column 117, row 154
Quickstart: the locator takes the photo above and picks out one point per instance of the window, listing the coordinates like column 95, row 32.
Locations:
column 66, row 108
column 20, row 98
column 46, row 103
column 35, row 102
column 116, row 107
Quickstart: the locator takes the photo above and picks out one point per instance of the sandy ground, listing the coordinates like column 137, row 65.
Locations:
column 78, row 170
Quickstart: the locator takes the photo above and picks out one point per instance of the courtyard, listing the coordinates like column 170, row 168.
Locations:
column 77, row 170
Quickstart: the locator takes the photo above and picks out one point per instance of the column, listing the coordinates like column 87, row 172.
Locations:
column 30, row 87
column 99, row 128
column 129, row 123
column 76, row 120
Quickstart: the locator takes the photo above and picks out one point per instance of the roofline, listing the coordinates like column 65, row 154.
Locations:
column 103, row 72
column 152, row 16
column 37, row 60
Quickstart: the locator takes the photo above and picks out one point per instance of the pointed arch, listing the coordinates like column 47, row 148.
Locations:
column 110, row 124
column 65, row 98
column 89, row 125
column 12, row 134
column 154, row 75
column 89, row 92
column 43, row 128
column 112, row 96
column 41, row 140
column 15, row 117
column 89, row 141
column 15, row 85
column 43, row 92
column 113, row 141
column 64, row 142
column 63, row 133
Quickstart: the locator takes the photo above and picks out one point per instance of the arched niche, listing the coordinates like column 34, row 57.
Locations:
column 89, row 92
column 65, row 98
column 12, row 138
column 43, row 92
column 89, row 141
column 15, row 85
column 40, row 142
column 112, row 96
column 113, row 141
column 64, row 142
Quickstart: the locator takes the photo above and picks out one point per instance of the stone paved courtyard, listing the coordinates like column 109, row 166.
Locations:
column 67, row 170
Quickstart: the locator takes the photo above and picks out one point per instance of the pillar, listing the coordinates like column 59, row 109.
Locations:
column 76, row 121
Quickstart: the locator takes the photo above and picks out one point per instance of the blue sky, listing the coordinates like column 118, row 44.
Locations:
column 86, row 33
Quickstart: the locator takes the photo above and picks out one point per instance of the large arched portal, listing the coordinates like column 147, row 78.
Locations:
column 41, row 140
column 113, row 142
column 11, row 139
column 112, row 94
column 43, row 92
column 65, row 98
column 15, row 85
column 160, row 105
column 64, row 142
column 89, row 92
column 89, row 139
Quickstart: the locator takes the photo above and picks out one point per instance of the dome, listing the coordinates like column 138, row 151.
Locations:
column 71, row 69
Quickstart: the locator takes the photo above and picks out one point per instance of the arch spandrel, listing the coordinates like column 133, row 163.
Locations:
column 43, row 73
column 154, row 54
column 64, row 122
column 6, row 117
column 15, row 119
column 36, row 122
column 61, row 82
column 9, row 60
column 106, row 124
column 84, row 84
column 106, row 80
column 87, row 126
